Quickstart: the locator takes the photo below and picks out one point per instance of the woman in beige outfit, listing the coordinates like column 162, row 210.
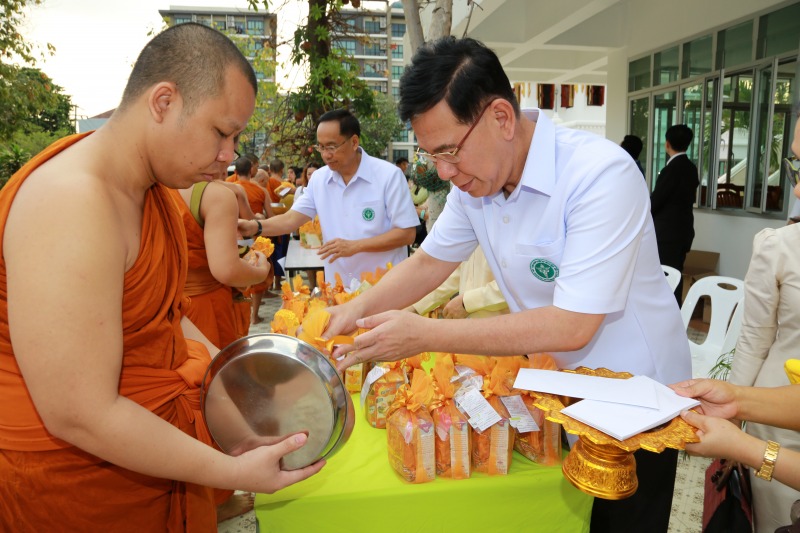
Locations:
column 770, row 335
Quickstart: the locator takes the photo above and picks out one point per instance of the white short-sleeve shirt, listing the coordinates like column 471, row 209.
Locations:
column 576, row 233
column 375, row 201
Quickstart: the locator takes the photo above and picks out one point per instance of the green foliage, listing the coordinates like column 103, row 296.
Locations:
column 24, row 92
column 332, row 83
column 11, row 159
column 722, row 368
column 380, row 127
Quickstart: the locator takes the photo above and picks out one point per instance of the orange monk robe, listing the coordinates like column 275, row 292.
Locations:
column 58, row 487
column 255, row 195
column 231, row 179
column 272, row 186
column 211, row 306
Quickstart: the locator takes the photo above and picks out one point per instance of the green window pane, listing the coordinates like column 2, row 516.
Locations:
column 697, row 57
column 779, row 32
column 665, row 66
column 639, row 74
column 735, row 45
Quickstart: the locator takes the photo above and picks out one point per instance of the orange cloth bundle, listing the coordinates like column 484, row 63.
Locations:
column 285, row 322
column 311, row 234
column 543, row 446
column 374, row 277
column 263, row 245
column 410, row 432
column 313, row 326
column 454, row 437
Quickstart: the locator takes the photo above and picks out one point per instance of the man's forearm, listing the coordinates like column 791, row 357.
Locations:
column 394, row 238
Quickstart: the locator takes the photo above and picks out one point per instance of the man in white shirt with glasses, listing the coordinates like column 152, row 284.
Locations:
column 563, row 217
column 366, row 213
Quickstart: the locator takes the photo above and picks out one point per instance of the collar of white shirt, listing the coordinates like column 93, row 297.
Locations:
column 674, row 156
column 362, row 172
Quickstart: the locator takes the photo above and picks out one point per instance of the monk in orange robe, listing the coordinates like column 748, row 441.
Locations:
column 210, row 216
column 100, row 422
column 260, row 204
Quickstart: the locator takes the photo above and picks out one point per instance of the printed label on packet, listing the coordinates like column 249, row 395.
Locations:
column 461, row 373
column 374, row 375
column 482, row 414
column 519, row 416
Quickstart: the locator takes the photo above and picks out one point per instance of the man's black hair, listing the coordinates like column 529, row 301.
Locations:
column 463, row 72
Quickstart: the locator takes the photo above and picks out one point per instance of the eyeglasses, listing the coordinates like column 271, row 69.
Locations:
column 451, row 157
column 329, row 148
column 791, row 167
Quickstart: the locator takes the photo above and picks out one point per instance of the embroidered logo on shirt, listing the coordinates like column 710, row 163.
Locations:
column 368, row 214
column 544, row 270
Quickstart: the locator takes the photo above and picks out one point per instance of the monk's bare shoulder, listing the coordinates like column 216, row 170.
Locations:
column 73, row 203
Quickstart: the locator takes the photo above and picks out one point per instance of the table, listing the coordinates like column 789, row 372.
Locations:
column 358, row 491
column 299, row 258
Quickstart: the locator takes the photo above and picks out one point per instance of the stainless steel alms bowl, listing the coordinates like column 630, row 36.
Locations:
column 260, row 389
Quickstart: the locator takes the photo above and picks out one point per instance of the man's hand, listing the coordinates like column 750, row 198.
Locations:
column 455, row 308
column 717, row 398
column 336, row 248
column 393, row 335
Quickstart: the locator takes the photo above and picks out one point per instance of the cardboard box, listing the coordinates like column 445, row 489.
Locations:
column 699, row 264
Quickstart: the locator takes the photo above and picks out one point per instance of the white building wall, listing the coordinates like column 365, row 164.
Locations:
column 654, row 25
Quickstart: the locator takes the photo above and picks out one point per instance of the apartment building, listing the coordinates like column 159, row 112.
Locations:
column 374, row 39
column 258, row 29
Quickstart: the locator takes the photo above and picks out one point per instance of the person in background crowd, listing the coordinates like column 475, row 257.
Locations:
column 100, row 388
column 563, row 218
column 363, row 204
column 281, row 242
column 469, row 292
column 402, row 164
column 633, row 145
column 672, row 202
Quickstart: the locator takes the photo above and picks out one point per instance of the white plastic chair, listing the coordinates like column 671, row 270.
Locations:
column 723, row 303
column 673, row 276
column 734, row 328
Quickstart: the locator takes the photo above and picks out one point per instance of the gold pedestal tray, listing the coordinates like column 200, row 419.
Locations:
column 599, row 464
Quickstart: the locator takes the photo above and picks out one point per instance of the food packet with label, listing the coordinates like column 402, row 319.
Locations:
column 410, row 432
column 542, row 446
column 453, row 436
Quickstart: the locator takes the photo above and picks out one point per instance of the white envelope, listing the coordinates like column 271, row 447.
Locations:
column 624, row 421
column 637, row 390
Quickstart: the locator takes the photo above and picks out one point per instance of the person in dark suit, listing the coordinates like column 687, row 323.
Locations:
column 672, row 200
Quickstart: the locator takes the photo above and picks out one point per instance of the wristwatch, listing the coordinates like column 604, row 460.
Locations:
column 258, row 231
column 770, row 456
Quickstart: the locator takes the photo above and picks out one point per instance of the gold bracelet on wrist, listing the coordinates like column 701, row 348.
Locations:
column 770, row 456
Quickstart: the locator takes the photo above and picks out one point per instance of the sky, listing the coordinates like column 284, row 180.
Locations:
column 97, row 42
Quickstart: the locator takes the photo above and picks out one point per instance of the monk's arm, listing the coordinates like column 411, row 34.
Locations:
column 68, row 342
column 241, row 199
column 220, row 212
column 277, row 225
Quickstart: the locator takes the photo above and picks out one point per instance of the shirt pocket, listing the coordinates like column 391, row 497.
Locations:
column 536, row 268
column 372, row 217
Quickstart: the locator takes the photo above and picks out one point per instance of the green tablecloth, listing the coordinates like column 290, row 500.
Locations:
column 358, row 491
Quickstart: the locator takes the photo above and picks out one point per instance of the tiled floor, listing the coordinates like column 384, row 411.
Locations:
column 687, row 501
